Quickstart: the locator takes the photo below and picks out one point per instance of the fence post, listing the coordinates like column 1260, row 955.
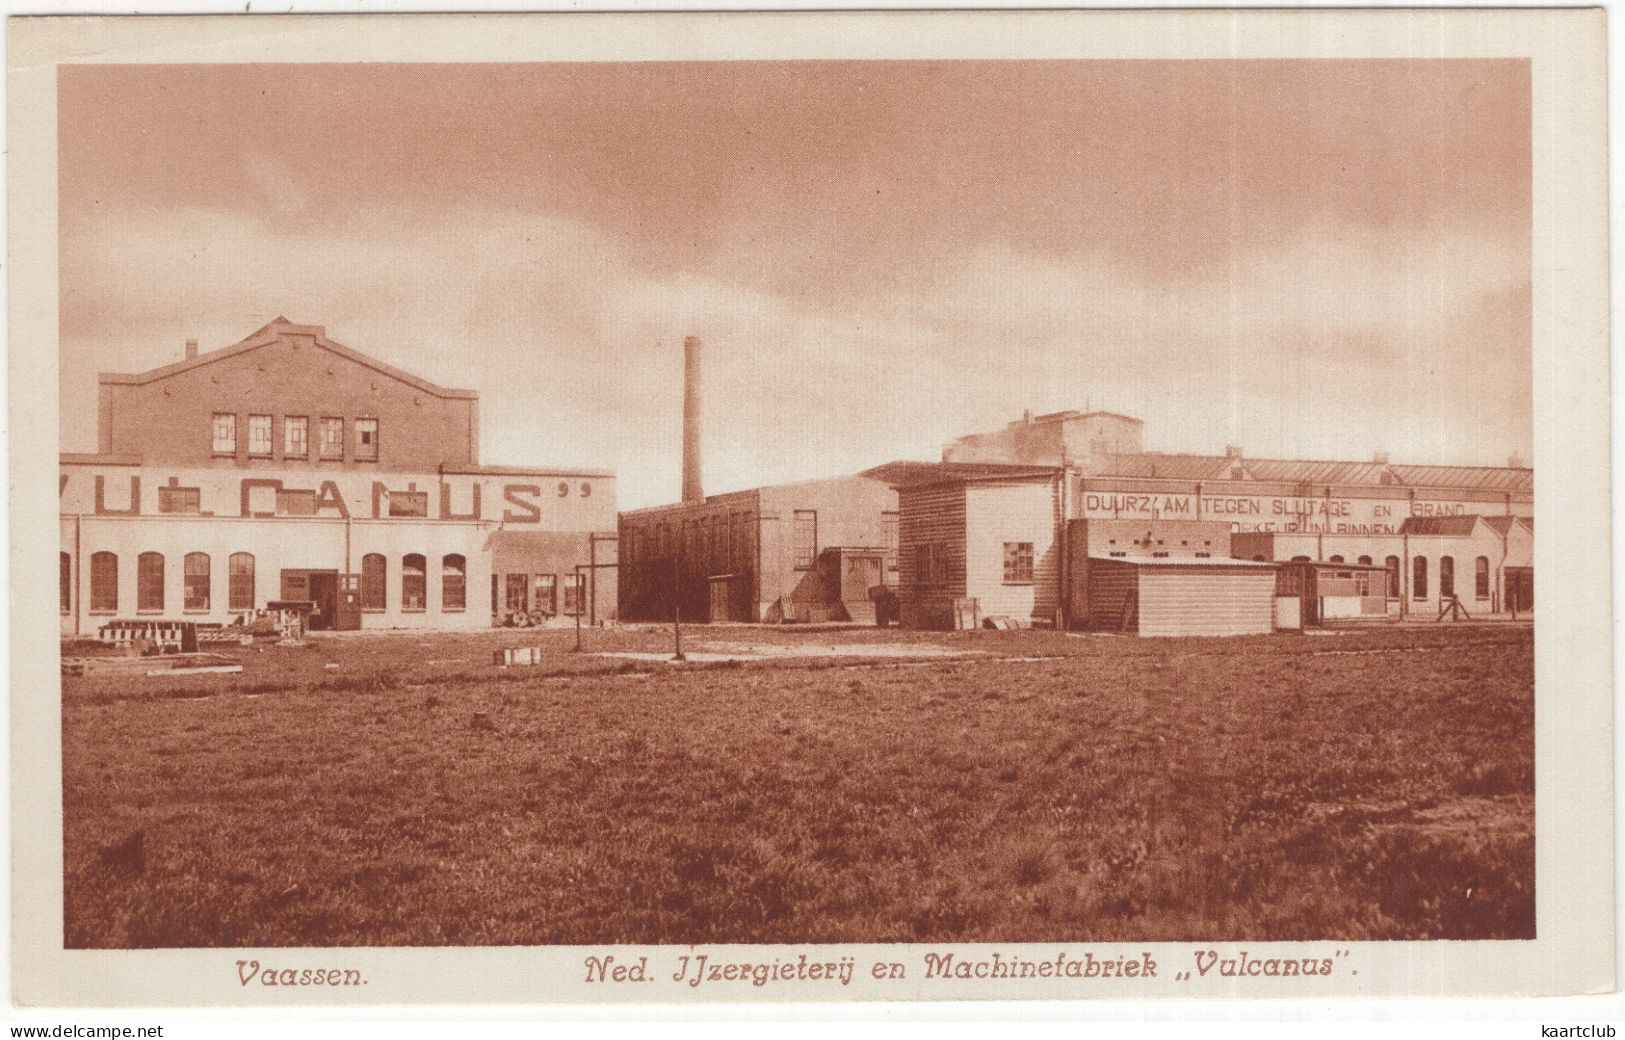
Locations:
column 678, row 629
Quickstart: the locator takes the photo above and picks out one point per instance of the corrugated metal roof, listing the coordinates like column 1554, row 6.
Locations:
column 1503, row 524
column 1489, row 477
column 916, row 474
column 1150, row 465
column 1450, row 525
column 1156, row 561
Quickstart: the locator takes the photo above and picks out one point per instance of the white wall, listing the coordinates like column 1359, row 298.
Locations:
column 303, row 543
column 999, row 513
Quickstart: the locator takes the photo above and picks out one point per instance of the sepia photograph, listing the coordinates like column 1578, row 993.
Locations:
column 1222, row 358
column 688, row 503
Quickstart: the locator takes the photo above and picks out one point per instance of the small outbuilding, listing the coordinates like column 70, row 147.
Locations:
column 1181, row 597
column 1309, row 593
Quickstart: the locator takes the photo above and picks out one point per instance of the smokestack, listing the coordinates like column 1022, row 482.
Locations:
column 191, row 349
column 692, row 488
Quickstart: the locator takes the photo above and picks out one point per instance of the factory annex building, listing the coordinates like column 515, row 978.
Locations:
column 816, row 550
column 1065, row 520
column 291, row 467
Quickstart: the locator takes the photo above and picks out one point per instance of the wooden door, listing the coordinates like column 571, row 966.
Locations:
column 347, row 616
column 324, row 592
column 859, row 574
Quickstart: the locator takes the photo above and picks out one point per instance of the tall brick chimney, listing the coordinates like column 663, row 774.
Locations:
column 692, row 487
column 191, row 349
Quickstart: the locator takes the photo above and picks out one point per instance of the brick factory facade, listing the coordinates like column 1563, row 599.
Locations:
column 810, row 551
column 290, row 467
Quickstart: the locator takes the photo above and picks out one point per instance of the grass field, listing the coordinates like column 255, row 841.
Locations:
column 1363, row 786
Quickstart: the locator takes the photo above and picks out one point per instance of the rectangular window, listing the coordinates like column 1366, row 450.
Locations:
column 408, row 503
column 66, row 564
column 179, row 500
column 1447, row 577
column 149, row 582
column 332, row 444
column 806, row 538
column 366, row 440
column 224, row 441
column 742, row 543
column 453, row 582
column 241, row 591
column 1481, row 577
column 295, row 437
column 572, row 594
column 1419, row 578
column 889, row 525
column 929, row 566
column 195, row 588
column 414, row 582
column 104, row 583
column 259, row 436
column 291, row 502
column 544, row 593
column 516, row 593
column 1018, row 563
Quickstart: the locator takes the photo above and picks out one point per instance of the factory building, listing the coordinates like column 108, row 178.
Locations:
column 810, row 551
column 1485, row 562
column 1014, row 521
column 291, row 467
column 815, row 550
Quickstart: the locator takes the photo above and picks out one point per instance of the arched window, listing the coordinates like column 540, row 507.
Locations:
column 1481, row 578
column 414, row 583
column 1392, row 563
column 240, row 596
column 65, row 563
column 1447, row 577
column 196, row 591
column 1365, row 560
column 104, row 582
column 1300, row 559
column 149, row 581
column 453, row 582
column 1258, row 558
column 1419, row 578
column 1337, row 559
column 373, row 581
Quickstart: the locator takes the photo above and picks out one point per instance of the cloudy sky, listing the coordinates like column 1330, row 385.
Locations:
column 1308, row 259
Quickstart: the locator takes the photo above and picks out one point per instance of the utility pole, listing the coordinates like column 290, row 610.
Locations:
column 578, row 608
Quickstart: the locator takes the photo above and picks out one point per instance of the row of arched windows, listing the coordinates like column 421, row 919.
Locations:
column 414, row 582
column 1447, row 577
column 197, row 572
column 197, row 582
column 1419, row 575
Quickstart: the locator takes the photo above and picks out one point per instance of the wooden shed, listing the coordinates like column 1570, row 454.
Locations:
column 1181, row 597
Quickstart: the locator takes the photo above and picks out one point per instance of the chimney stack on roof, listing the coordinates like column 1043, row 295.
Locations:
column 693, row 490
column 1380, row 458
column 1232, row 451
column 191, row 349
column 1515, row 462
